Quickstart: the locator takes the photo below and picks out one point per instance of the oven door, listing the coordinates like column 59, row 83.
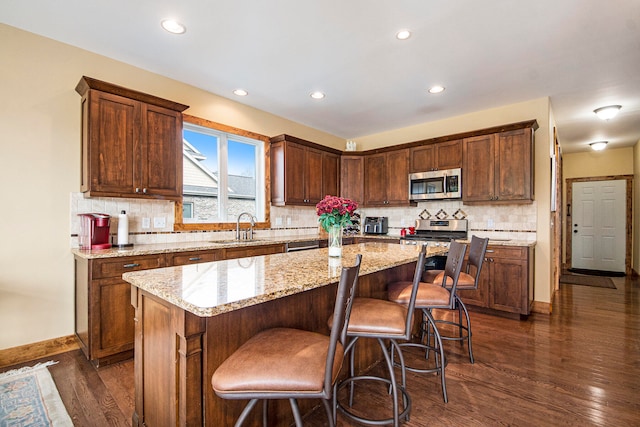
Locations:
column 426, row 186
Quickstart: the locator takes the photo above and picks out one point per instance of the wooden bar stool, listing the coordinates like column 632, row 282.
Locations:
column 428, row 297
column 285, row 363
column 381, row 320
column 468, row 281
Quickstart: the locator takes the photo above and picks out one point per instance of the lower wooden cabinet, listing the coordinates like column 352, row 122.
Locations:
column 506, row 281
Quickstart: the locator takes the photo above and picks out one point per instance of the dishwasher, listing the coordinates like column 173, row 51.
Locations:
column 302, row 245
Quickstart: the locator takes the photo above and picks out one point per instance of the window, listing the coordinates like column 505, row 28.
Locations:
column 223, row 176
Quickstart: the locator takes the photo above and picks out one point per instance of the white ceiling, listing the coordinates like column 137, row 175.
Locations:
column 583, row 54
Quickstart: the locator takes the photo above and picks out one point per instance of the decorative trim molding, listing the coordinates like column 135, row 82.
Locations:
column 37, row 350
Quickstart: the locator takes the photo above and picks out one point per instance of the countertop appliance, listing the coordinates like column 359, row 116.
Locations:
column 432, row 185
column 436, row 232
column 376, row 225
column 94, row 231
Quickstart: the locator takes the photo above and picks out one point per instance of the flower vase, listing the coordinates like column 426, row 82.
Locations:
column 335, row 241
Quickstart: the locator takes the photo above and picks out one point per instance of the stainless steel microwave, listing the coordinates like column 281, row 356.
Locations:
column 432, row 185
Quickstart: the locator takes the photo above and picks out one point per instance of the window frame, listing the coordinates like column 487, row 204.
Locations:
column 180, row 225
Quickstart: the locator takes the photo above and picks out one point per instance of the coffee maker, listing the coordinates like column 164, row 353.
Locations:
column 94, row 231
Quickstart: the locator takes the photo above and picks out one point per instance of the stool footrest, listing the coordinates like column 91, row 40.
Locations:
column 404, row 415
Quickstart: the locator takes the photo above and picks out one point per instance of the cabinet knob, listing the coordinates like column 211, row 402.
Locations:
column 137, row 190
column 144, row 190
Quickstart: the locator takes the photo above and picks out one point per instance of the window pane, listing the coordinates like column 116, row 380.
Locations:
column 241, row 179
column 200, row 176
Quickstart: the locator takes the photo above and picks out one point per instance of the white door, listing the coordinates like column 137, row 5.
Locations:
column 599, row 223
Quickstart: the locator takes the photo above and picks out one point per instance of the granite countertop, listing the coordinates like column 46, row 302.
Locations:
column 213, row 288
column 507, row 242
column 160, row 248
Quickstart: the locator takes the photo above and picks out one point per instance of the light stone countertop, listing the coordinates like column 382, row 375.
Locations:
column 213, row 288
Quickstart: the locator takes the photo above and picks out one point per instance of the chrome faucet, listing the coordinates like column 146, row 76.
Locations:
column 252, row 223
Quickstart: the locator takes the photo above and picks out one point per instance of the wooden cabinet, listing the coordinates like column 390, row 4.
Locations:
column 386, row 179
column 193, row 257
column 506, row 280
column 249, row 251
column 104, row 315
column 352, row 178
column 498, row 167
column 131, row 143
column 436, row 156
column 302, row 172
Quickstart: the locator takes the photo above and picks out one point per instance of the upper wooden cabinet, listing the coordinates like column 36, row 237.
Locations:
column 131, row 142
column 386, row 178
column 352, row 178
column 302, row 172
column 498, row 167
column 437, row 156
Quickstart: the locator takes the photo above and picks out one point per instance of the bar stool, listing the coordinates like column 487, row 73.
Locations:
column 382, row 320
column 285, row 363
column 430, row 296
column 466, row 282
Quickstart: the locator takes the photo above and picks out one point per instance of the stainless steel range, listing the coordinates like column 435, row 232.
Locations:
column 436, row 232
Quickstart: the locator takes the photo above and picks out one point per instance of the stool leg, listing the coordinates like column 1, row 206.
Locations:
column 392, row 378
column 330, row 414
column 440, row 347
column 466, row 314
column 247, row 409
column 296, row 412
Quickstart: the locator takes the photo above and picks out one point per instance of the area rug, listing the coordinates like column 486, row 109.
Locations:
column 29, row 397
column 598, row 281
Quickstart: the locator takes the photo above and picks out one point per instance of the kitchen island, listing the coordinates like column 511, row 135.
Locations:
column 189, row 319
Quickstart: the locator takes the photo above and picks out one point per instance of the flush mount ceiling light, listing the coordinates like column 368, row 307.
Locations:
column 241, row 92
column 608, row 112
column 173, row 26
column 436, row 89
column 403, row 34
column 317, row 95
column 599, row 145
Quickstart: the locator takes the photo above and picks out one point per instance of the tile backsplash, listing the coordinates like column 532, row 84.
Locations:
column 516, row 222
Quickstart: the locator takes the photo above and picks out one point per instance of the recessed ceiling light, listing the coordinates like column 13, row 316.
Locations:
column 241, row 92
column 608, row 112
column 317, row 95
column 173, row 26
column 600, row 145
column 403, row 34
column 436, row 89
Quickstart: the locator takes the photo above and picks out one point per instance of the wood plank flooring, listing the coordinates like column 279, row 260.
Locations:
column 579, row 366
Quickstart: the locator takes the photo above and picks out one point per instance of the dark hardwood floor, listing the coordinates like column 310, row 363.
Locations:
column 579, row 366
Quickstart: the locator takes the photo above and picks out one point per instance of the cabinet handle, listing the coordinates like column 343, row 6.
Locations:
column 195, row 258
column 144, row 190
column 137, row 190
column 490, row 251
column 132, row 265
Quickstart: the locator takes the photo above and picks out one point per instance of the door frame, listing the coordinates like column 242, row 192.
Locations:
column 629, row 218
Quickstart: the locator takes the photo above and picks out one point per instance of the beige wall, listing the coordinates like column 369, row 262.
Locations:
column 635, row 259
column 538, row 109
column 40, row 168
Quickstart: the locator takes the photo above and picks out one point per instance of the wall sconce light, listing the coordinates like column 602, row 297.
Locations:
column 599, row 145
column 608, row 112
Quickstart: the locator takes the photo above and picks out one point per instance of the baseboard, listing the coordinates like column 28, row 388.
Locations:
column 37, row 350
column 541, row 307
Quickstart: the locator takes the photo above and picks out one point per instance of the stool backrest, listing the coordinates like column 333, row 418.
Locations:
column 477, row 251
column 453, row 267
column 417, row 276
column 341, row 312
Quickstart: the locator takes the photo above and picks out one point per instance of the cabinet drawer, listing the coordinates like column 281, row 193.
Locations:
column 505, row 252
column 185, row 258
column 115, row 267
column 243, row 252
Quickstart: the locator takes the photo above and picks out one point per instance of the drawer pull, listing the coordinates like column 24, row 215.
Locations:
column 490, row 251
column 195, row 258
column 132, row 265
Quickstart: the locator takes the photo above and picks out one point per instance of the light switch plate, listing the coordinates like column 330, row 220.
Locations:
column 146, row 222
column 159, row 222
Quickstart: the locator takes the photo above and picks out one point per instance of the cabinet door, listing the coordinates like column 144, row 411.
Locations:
column 514, row 165
column 449, row 154
column 478, row 170
column 509, row 285
column 398, row 177
column 330, row 174
column 352, row 178
column 423, row 159
column 313, row 176
column 480, row 296
column 111, row 317
column 294, row 182
column 112, row 131
column 159, row 167
column 375, row 182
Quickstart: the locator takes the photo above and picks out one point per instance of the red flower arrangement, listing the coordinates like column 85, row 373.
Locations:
column 334, row 210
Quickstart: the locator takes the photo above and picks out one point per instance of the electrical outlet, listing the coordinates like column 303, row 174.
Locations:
column 288, row 220
column 279, row 220
column 159, row 222
column 146, row 222
column 490, row 223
